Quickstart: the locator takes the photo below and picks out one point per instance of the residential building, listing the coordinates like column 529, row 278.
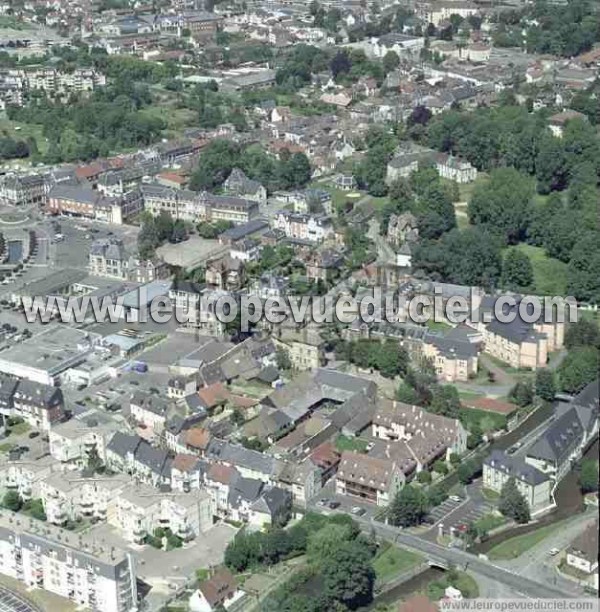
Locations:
column 305, row 348
column 368, row 478
column 534, row 485
column 40, row 405
column 455, row 169
column 66, row 564
column 28, row 190
column 220, row 591
column 72, row 441
column 583, row 552
column 311, row 228
column 238, row 184
column 225, row 273
column 402, row 228
column 569, row 434
column 428, row 436
column 148, row 410
column 139, row 510
column 453, row 360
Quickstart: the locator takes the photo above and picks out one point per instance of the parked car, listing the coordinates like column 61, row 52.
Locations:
column 34, row 434
column 334, row 504
column 553, row 552
column 358, row 511
column 323, row 502
column 455, row 498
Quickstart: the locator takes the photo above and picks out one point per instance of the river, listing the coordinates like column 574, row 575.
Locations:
column 406, row 589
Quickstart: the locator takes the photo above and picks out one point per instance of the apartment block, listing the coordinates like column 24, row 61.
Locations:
column 70, row 565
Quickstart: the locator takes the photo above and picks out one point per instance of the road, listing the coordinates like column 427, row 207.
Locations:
column 464, row 560
column 537, row 564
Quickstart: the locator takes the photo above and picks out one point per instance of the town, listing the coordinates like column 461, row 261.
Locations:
column 167, row 157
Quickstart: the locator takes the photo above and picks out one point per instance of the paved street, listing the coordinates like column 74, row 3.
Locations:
column 522, row 585
column 537, row 564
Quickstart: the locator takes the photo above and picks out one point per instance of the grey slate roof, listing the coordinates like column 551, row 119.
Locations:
column 151, row 457
column 122, row 444
column 560, row 439
column 244, row 489
column 514, row 466
column 273, row 501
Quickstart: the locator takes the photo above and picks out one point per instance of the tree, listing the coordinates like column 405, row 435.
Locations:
column 545, row 384
column 237, row 417
column 282, row 359
column 424, row 477
column 391, row 61
column 348, row 576
column 517, row 271
column 323, row 542
column 475, row 437
column 420, row 116
column 588, row 476
column 408, row 507
column 148, row 239
column 503, row 204
column 340, row 64
column 585, row 332
column 441, row 467
column 406, row 394
column 582, row 273
column 468, row 470
column 579, row 368
column 521, row 394
column 445, row 401
column 513, row 503
column 12, row 501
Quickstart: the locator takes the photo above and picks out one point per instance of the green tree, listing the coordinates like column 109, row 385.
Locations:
column 513, row 503
column 545, row 384
column 391, row 61
column 583, row 280
column 12, row 501
column 408, row 507
column 503, row 204
column 445, row 401
column 522, row 393
column 406, row 394
column 424, row 477
column 579, row 368
column 517, row 271
column 441, row 467
column 348, row 576
column 588, row 476
column 323, row 542
column 283, row 360
column 584, row 332
column 475, row 437
column 468, row 470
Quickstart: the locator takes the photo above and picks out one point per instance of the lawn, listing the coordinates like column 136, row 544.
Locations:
column 550, row 275
column 515, row 547
column 438, row 325
column 490, row 521
column 19, row 429
column 488, row 421
column 459, row 580
column 345, row 443
column 176, row 119
column 23, row 131
column 490, row 495
column 392, row 561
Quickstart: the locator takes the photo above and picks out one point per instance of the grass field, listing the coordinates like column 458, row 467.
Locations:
column 490, row 521
column 488, row 421
column 23, row 131
column 175, row 118
column 550, row 275
column 344, row 443
column 392, row 561
column 515, row 547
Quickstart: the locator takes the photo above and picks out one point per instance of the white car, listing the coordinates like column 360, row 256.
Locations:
column 455, row 498
column 553, row 552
